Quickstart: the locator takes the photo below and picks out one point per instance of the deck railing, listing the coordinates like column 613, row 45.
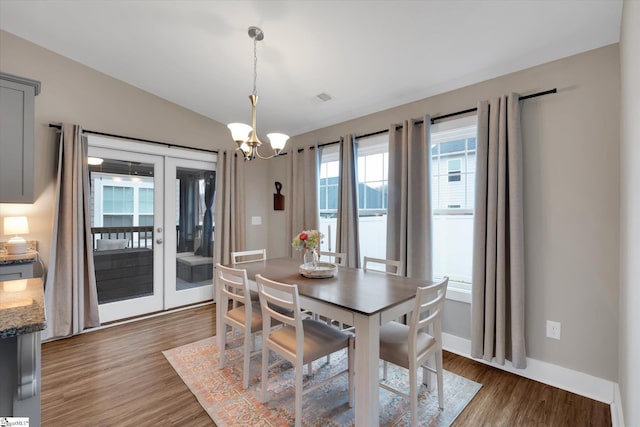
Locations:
column 138, row 237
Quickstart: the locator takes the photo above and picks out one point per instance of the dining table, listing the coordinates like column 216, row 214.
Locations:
column 363, row 299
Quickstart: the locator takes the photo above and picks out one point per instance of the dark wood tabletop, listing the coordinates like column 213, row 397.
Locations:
column 352, row 288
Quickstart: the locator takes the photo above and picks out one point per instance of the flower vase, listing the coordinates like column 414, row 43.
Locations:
column 310, row 258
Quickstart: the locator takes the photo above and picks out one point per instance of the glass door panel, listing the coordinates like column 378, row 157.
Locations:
column 126, row 210
column 190, row 188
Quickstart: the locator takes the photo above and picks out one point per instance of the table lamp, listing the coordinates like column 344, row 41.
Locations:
column 16, row 225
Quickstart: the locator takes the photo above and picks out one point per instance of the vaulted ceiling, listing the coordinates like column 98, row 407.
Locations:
column 366, row 55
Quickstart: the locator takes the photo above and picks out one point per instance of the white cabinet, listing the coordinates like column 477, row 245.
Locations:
column 17, row 115
column 16, row 271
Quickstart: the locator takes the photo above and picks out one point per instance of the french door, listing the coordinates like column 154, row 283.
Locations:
column 152, row 226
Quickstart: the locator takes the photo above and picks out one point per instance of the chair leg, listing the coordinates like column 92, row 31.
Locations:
column 351, row 373
column 265, row 373
column 384, row 369
column 427, row 375
column 223, row 346
column 247, row 358
column 413, row 393
column 439, row 376
column 298, row 391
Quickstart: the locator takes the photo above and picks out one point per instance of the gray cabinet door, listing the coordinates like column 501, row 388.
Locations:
column 16, row 139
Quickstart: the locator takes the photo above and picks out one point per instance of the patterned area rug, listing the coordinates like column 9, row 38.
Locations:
column 220, row 391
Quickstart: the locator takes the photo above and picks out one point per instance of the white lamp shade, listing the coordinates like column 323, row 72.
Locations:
column 239, row 131
column 16, row 225
column 278, row 141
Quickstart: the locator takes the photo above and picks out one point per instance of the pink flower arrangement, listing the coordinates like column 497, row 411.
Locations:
column 308, row 239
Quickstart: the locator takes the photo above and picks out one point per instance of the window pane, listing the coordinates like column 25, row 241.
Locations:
column 453, row 186
column 117, row 199
column 145, row 200
column 118, row 221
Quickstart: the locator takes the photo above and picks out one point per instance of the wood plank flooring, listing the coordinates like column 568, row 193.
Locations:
column 119, row 377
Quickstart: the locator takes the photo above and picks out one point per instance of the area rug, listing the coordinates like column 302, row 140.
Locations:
column 220, row 392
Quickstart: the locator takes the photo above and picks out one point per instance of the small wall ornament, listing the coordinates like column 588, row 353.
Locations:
column 278, row 199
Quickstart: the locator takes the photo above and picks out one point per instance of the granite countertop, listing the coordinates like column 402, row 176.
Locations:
column 25, row 258
column 21, row 307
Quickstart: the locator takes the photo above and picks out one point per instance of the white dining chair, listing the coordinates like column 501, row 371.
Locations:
column 244, row 317
column 389, row 266
column 338, row 258
column 299, row 341
column 412, row 346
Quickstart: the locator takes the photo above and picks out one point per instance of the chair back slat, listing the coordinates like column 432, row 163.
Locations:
column 391, row 266
column 233, row 283
column 241, row 257
column 281, row 295
column 338, row 258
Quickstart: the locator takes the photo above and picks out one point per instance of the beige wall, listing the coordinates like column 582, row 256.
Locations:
column 74, row 93
column 571, row 155
column 629, row 373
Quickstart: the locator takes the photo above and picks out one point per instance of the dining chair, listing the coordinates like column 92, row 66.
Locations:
column 299, row 341
column 412, row 346
column 338, row 258
column 244, row 317
column 390, row 266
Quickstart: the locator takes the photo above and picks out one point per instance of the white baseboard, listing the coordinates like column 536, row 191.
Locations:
column 617, row 418
column 547, row 373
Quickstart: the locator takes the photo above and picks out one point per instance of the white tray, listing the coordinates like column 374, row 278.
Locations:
column 322, row 270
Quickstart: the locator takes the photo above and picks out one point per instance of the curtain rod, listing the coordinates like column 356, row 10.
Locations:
column 434, row 119
column 59, row 127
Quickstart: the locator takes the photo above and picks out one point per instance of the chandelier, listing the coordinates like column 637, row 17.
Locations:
column 246, row 136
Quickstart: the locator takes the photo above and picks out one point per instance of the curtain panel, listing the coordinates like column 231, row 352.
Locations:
column 347, row 227
column 303, row 213
column 409, row 214
column 497, row 308
column 71, row 297
column 230, row 228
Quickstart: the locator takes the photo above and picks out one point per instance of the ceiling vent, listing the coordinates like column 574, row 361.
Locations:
column 324, row 97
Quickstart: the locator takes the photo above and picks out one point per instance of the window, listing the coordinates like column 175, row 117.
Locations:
column 121, row 201
column 373, row 176
column 373, row 161
column 453, row 158
column 329, row 178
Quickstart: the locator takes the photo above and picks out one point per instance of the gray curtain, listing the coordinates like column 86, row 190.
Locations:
column 347, row 229
column 230, row 229
column 206, row 246
column 303, row 212
column 409, row 219
column 71, row 297
column 497, row 308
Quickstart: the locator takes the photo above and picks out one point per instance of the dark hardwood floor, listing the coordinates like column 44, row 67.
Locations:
column 119, row 377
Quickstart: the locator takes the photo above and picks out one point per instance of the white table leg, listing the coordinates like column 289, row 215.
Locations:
column 366, row 363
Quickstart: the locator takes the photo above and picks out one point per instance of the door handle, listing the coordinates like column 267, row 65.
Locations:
column 159, row 241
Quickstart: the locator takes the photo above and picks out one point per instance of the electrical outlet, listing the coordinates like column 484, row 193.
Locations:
column 553, row 329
